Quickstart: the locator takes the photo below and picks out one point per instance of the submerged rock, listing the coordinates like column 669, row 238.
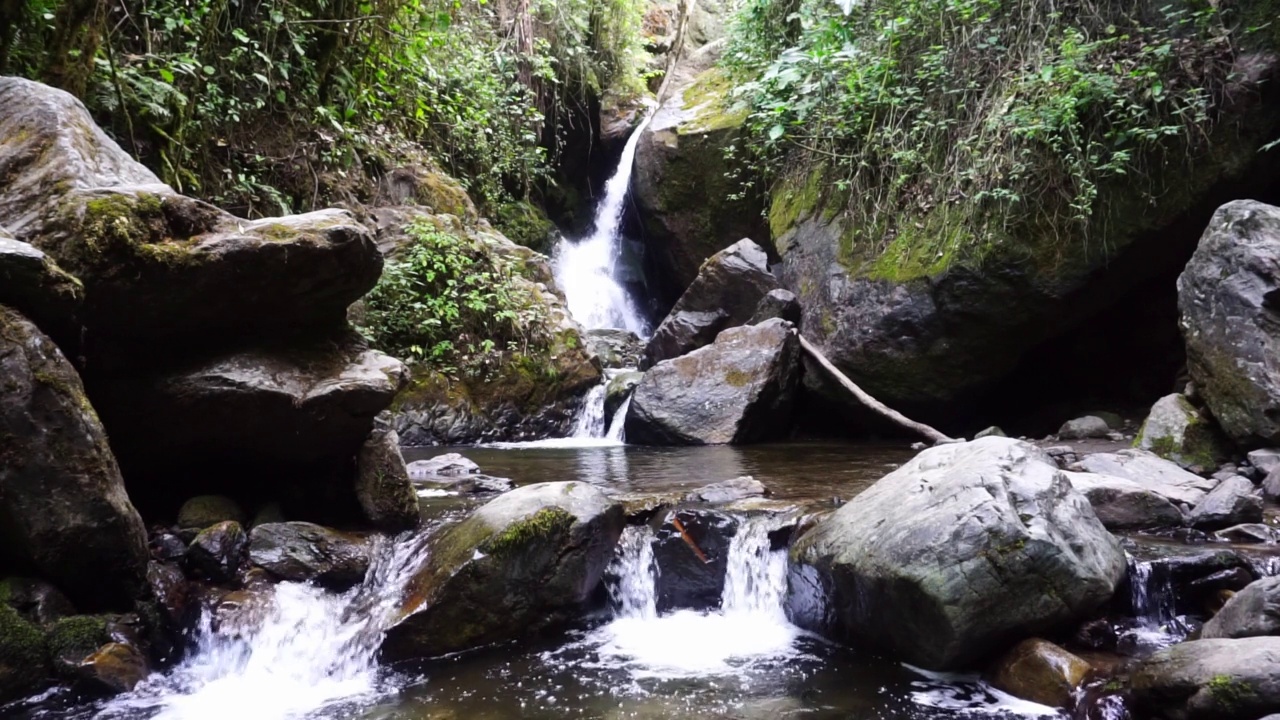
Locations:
column 383, row 489
column 520, row 564
column 63, row 507
column 1122, row 504
column 1177, row 431
column 1227, row 296
column 1151, row 472
column 729, row 287
column 1232, row 502
column 1251, row 612
column 1214, row 679
column 965, row 548
column 301, row 551
column 1039, row 671
column 738, row 390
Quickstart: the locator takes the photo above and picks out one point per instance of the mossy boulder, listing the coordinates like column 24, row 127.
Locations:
column 526, row 225
column 202, row 511
column 64, row 513
column 525, row 562
column 1177, row 431
column 691, row 208
column 963, row 550
column 1215, row 679
column 73, row 639
column 24, row 664
column 1228, row 296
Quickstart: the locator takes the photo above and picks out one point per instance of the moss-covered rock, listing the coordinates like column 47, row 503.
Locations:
column 202, row 511
column 32, row 284
column 522, row 563
column 63, row 508
column 1177, row 431
column 24, row 664
column 526, row 224
column 72, row 640
column 1216, row 679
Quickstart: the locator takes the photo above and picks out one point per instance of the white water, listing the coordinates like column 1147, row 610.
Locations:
column 750, row 628
column 304, row 652
column 587, row 269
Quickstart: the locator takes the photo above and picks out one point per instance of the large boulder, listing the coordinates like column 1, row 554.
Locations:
column 1252, row 612
column 1234, row 501
column 729, row 287
column 1122, row 504
column 250, row 421
column 523, row 562
column 1228, row 296
column 1176, row 430
column 964, row 549
column 63, row 509
column 1214, row 679
column 1150, row 472
column 738, row 390
column 32, row 284
column 305, row 552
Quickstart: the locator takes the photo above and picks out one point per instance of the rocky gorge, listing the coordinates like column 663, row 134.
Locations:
column 205, row 421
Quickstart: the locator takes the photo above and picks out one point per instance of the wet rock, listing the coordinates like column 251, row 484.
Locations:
column 1039, row 671
column 216, row 552
column 37, row 600
column 729, row 491
column 1063, row 455
column 1123, row 504
column 738, row 390
column 204, row 510
column 1192, row 576
column 522, row 563
column 1249, row 533
column 447, row 465
column 386, row 496
column 1083, row 428
column 992, row 431
column 1232, row 502
column 455, row 473
column 1151, row 472
column 779, row 303
column 965, row 548
column 239, row 613
column 167, row 546
column 170, row 589
column 1214, row 679
column 685, row 579
column 23, row 656
column 616, row 348
column 1177, row 431
column 73, row 639
column 1226, row 296
column 114, row 668
column 1251, row 612
column 729, row 287
column 63, row 507
column 301, row 551
column 617, row 392
column 32, row 284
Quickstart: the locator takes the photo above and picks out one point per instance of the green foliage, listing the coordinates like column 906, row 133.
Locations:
column 944, row 126
column 265, row 107
column 450, row 303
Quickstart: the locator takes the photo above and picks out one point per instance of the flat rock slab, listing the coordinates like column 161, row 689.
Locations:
column 1151, row 472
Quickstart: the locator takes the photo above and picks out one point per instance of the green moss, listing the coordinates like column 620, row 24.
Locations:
column 545, row 524
column 22, row 650
column 525, row 224
column 708, row 99
column 791, row 203
column 1227, row 692
column 74, row 638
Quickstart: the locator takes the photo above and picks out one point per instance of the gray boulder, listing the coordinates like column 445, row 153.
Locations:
column 738, row 390
column 32, row 284
column 1083, row 428
column 966, row 548
column 1249, row 533
column 1151, row 472
column 1177, row 431
column 779, row 303
column 63, row 507
column 727, row 491
column 1232, row 502
column 455, row 473
column 1123, row 504
column 1253, row 611
column 1227, row 297
column 524, row 562
column 446, row 465
column 1266, row 460
column 301, row 551
column 1271, row 485
column 616, row 348
column 1216, row 679
column 729, row 287
column 386, row 496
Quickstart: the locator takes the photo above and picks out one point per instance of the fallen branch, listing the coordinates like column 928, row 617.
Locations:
column 688, row 540
column 875, row 405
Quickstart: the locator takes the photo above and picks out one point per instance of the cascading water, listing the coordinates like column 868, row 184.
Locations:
column 587, row 269
column 299, row 651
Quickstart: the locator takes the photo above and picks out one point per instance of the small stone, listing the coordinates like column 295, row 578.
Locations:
column 1267, row 460
column 216, row 551
column 1083, row 428
column 729, row 491
column 204, row 510
column 992, row 431
column 1039, row 671
column 778, row 303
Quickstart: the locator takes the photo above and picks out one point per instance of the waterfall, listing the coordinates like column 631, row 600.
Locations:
column 1150, row 593
column 300, row 649
column 590, row 421
column 587, row 269
column 617, row 428
column 634, row 593
column 756, row 581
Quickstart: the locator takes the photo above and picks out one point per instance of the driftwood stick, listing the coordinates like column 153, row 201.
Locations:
column 879, row 407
